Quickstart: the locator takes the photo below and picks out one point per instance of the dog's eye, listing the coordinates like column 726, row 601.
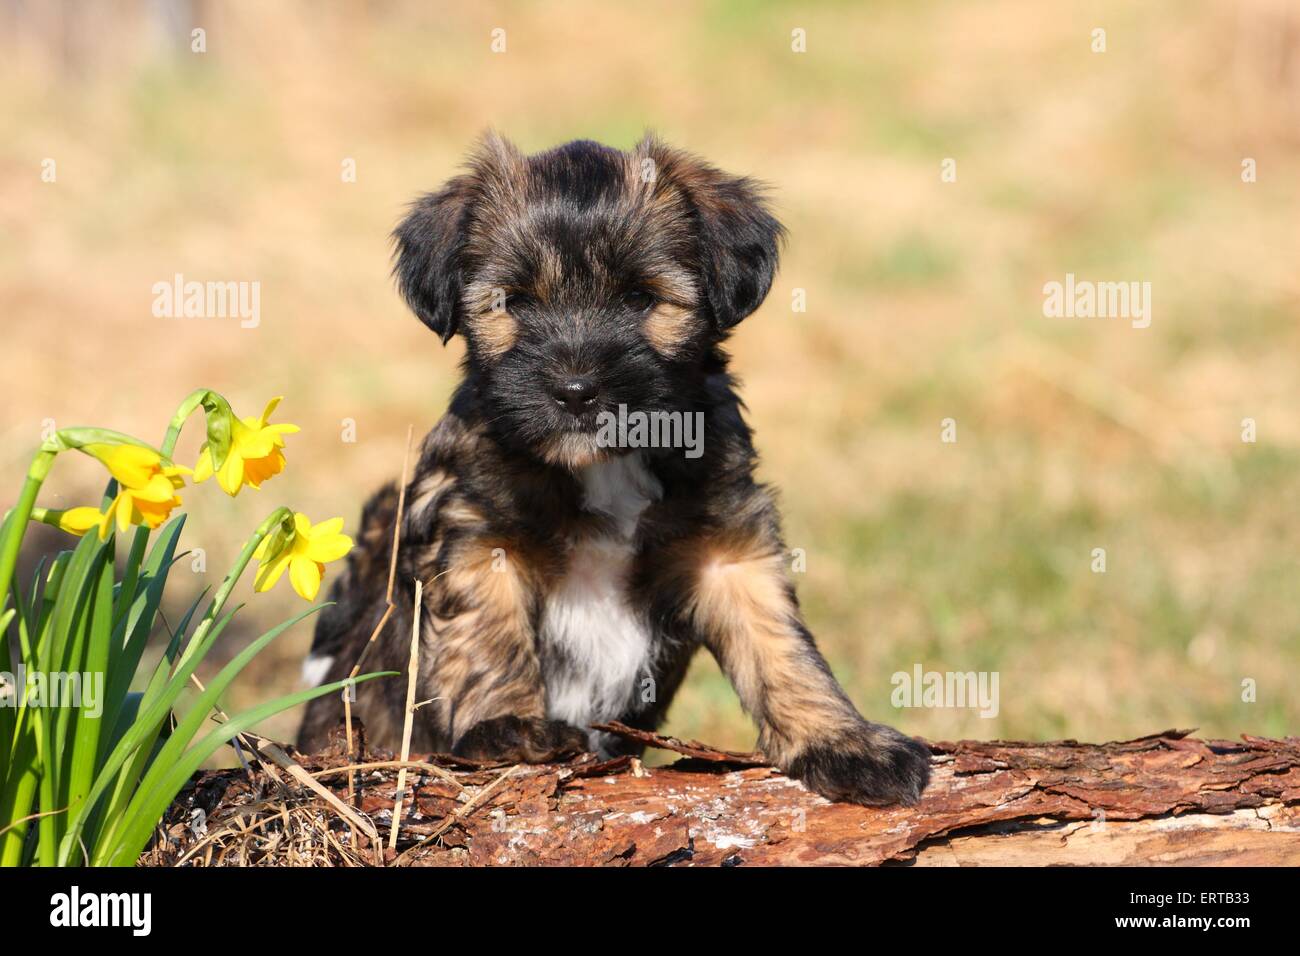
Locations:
column 638, row 301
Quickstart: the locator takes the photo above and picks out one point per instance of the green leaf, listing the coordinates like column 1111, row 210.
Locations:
column 61, row 651
column 18, row 798
column 130, row 772
column 50, row 595
column 87, row 730
column 8, row 711
column 137, row 623
column 85, row 649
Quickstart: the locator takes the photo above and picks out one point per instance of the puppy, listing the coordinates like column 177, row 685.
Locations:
column 569, row 576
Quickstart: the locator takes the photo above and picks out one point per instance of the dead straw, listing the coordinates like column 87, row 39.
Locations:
column 412, row 675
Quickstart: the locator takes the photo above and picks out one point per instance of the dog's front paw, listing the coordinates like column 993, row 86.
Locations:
column 521, row 740
column 873, row 765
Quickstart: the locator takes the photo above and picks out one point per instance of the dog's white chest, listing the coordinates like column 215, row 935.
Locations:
column 596, row 646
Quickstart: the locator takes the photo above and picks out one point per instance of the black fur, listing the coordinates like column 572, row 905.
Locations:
column 511, row 739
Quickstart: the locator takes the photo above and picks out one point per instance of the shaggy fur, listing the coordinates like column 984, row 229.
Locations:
column 568, row 582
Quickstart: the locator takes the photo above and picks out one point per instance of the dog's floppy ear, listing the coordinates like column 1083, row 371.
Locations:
column 430, row 246
column 738, row 239
column 433, row 240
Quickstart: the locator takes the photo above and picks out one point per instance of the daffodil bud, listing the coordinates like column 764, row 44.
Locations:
column 220, row 422
column 76, row 521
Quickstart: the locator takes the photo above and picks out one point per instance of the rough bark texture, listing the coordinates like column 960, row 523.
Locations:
column 1166, row 798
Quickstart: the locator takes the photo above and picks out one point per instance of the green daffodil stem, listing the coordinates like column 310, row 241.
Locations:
column 140, row 540
column 218, row 415
column 47, row 516
column 16, row 522
column 80, row 437
column 223, row 593
column 183, row 412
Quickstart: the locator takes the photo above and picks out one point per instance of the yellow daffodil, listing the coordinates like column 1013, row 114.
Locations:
column 254, row 453
column 146, row 494
column 75, row 520
column 305, row 554
column 149, row 505
column 132, row 465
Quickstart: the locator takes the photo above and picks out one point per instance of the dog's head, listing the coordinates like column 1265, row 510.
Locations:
column 585, row 278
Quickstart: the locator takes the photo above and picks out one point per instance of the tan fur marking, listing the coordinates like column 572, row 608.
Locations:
column 573, row 451
column 426, row 492
column 668, row 327
column 468, row 652
column 549, row 279
column 742, row 606
column 460, row 513
column 495, row 332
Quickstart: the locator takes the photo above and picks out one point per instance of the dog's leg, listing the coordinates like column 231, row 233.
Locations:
column 743, row 608
column 480, row 661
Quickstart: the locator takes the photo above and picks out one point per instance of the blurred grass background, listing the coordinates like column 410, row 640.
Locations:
column 924, row 301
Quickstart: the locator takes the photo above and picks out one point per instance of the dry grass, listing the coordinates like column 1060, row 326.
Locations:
column 259, row 818
column 924, row 302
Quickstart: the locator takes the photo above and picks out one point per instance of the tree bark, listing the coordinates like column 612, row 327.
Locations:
column 1163, row 799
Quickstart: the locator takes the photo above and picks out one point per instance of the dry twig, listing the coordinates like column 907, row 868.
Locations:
column 412, row 674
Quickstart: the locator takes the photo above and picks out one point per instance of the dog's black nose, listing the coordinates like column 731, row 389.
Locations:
column 576, row 394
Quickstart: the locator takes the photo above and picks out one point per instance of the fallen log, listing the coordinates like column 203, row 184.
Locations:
column 1167, row 798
